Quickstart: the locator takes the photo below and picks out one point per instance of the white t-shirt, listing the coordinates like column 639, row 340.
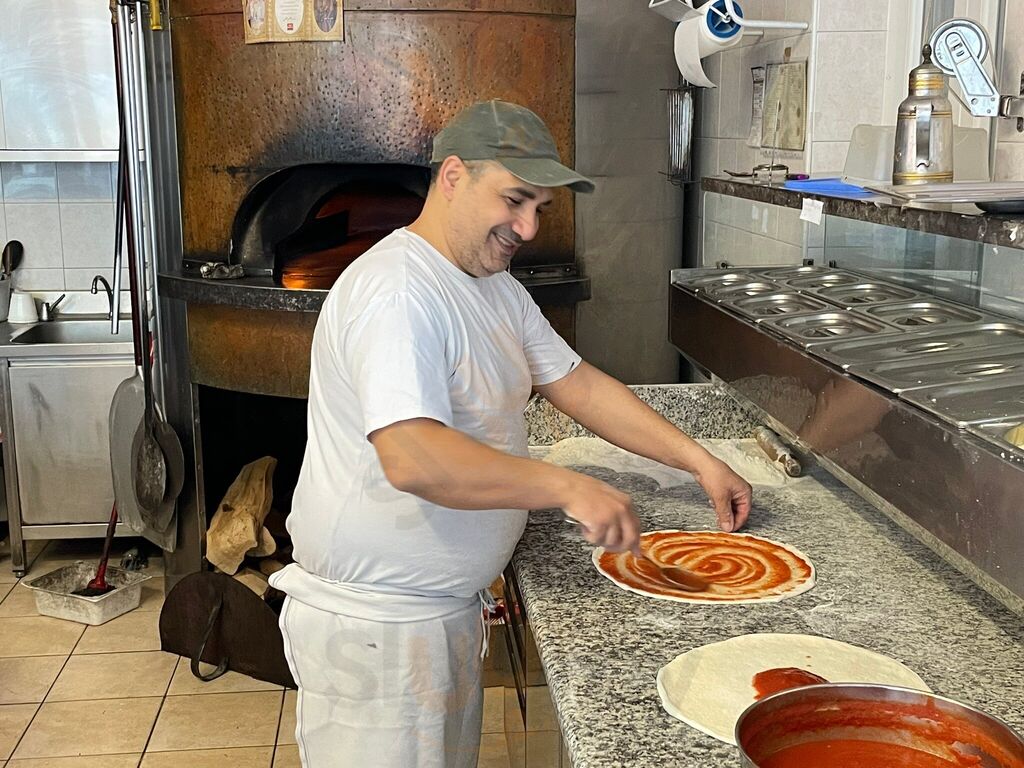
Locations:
column 403, row 334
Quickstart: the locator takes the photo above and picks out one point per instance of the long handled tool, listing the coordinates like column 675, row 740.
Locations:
column 98, row 586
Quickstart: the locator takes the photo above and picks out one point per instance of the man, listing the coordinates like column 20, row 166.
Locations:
column 414, row 486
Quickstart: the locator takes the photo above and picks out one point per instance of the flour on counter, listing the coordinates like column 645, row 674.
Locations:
column 744, row 456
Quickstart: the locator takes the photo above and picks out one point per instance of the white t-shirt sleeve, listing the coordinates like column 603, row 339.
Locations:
column 549, row 356
column 394, row 354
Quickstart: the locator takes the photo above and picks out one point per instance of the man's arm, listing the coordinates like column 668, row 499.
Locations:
column 609, row 409
column 447, row 467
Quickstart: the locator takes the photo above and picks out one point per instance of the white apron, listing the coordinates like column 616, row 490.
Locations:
column 385, row 681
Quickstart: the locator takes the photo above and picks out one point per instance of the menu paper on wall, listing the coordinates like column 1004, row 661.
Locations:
column 757, row 106
column 784, row 116
column 288, row 21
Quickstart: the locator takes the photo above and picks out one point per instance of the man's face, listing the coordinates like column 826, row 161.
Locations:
column 491, row 214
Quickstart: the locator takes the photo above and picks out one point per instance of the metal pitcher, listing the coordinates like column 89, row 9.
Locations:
column 924, row 128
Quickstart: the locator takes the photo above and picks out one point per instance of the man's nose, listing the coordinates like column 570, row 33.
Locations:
column 526, row 226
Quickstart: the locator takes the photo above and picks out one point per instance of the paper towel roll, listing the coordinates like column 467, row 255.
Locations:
column 694, row 41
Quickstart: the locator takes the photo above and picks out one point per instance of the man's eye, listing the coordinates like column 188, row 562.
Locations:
column 513, row 201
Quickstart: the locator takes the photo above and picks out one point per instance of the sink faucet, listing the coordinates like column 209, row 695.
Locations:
column 47, row 312
column 110, row 293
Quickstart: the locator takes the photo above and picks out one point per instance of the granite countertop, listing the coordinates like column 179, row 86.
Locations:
column 964, row 221
column 877, row 587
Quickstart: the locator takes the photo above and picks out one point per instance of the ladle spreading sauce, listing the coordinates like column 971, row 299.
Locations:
column 783, row 678
column 739, row 567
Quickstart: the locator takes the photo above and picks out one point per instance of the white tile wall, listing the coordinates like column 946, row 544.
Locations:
column 828, row 156
column 850, row 15
column 63, row 214
column 848, row 75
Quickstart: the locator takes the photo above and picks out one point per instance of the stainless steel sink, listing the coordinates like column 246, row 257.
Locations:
column 74, row 332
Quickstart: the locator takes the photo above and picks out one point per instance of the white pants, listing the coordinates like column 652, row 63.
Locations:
column 385, row 695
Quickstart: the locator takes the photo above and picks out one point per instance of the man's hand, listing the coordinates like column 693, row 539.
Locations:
column 728, row 492
column 605, row 514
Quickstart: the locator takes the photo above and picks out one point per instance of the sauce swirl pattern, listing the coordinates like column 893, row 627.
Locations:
column 741, row 568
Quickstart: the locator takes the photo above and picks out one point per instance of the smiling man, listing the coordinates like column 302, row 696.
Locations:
column 415, row 483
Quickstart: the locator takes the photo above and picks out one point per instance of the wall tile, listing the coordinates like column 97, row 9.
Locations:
column 1009, row 163
column 619, row 157
column 727, row 157
column 87, row 230
column 828, row 156
column 845, row 15
column 29, row 182
column 641, row 356
column 3, row 226
column 620, row 271
column 37, row 226
column 83, row 182
column 1012, row 65
column 791, row 227
column 602, row 116
column 799, row 10
column 648, row 197
column 842, row 100
column 80, row 279
column 28, row 279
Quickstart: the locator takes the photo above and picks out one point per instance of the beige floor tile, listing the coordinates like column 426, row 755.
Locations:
column 494, row 711
column 26, row 680
column 5, row 589
column 152, row 594
column 566, row 760
column 107, row 727
column 543, row 749
column 185, row 683
column 20, row 601
column 135, row 631
column 38, row 636
column 114, row 676
column 513, row 715
column 81, row 761
column 540, row 712
column 14, row 719
column 248, row 757
column 516, row 749
column 493, row 751
column 286, row 730
column 287, row 757
column 217, row 721
column 32, row 550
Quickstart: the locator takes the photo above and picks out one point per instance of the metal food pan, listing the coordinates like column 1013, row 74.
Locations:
column 823, row 327
column 973, row 403
column 967, row 339
column 923, row 314
column 790, row 272
column 700, row 279
column 939, row 370
column 994, row 432
column 823, row 280
column 731, row 290
column 770, row 305
column 860, row 294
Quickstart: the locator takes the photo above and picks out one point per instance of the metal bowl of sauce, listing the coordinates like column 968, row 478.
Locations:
column 872, row 726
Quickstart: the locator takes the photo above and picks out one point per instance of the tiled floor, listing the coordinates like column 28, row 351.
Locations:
column 73, row 696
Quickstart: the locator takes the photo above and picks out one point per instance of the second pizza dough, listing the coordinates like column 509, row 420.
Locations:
column 709, row 687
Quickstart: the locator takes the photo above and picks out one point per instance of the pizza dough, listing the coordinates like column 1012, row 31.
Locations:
column 742, row 568
column 744, row 456
column 709, row 687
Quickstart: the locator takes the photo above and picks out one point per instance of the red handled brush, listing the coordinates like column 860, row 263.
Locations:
column 98, row 586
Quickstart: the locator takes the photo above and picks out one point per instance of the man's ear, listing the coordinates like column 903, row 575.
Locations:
column 449, row 174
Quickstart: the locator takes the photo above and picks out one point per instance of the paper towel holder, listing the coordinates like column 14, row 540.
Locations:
column 726, row 10
column 722, row 21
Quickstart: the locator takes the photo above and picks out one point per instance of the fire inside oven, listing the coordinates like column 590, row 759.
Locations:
column 304, row 225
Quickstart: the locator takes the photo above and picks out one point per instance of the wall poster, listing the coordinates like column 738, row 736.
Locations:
column 784, row 114
column 287, row 21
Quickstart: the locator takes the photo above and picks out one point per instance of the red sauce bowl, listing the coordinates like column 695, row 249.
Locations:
column 869, row 726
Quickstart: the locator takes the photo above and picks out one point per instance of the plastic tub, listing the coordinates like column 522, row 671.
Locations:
column 54, row 593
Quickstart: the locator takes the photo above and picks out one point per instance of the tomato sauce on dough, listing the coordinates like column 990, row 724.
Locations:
column 783, row 678
column 739, row 567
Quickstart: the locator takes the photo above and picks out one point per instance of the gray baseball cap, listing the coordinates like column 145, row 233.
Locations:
column 512, row 136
